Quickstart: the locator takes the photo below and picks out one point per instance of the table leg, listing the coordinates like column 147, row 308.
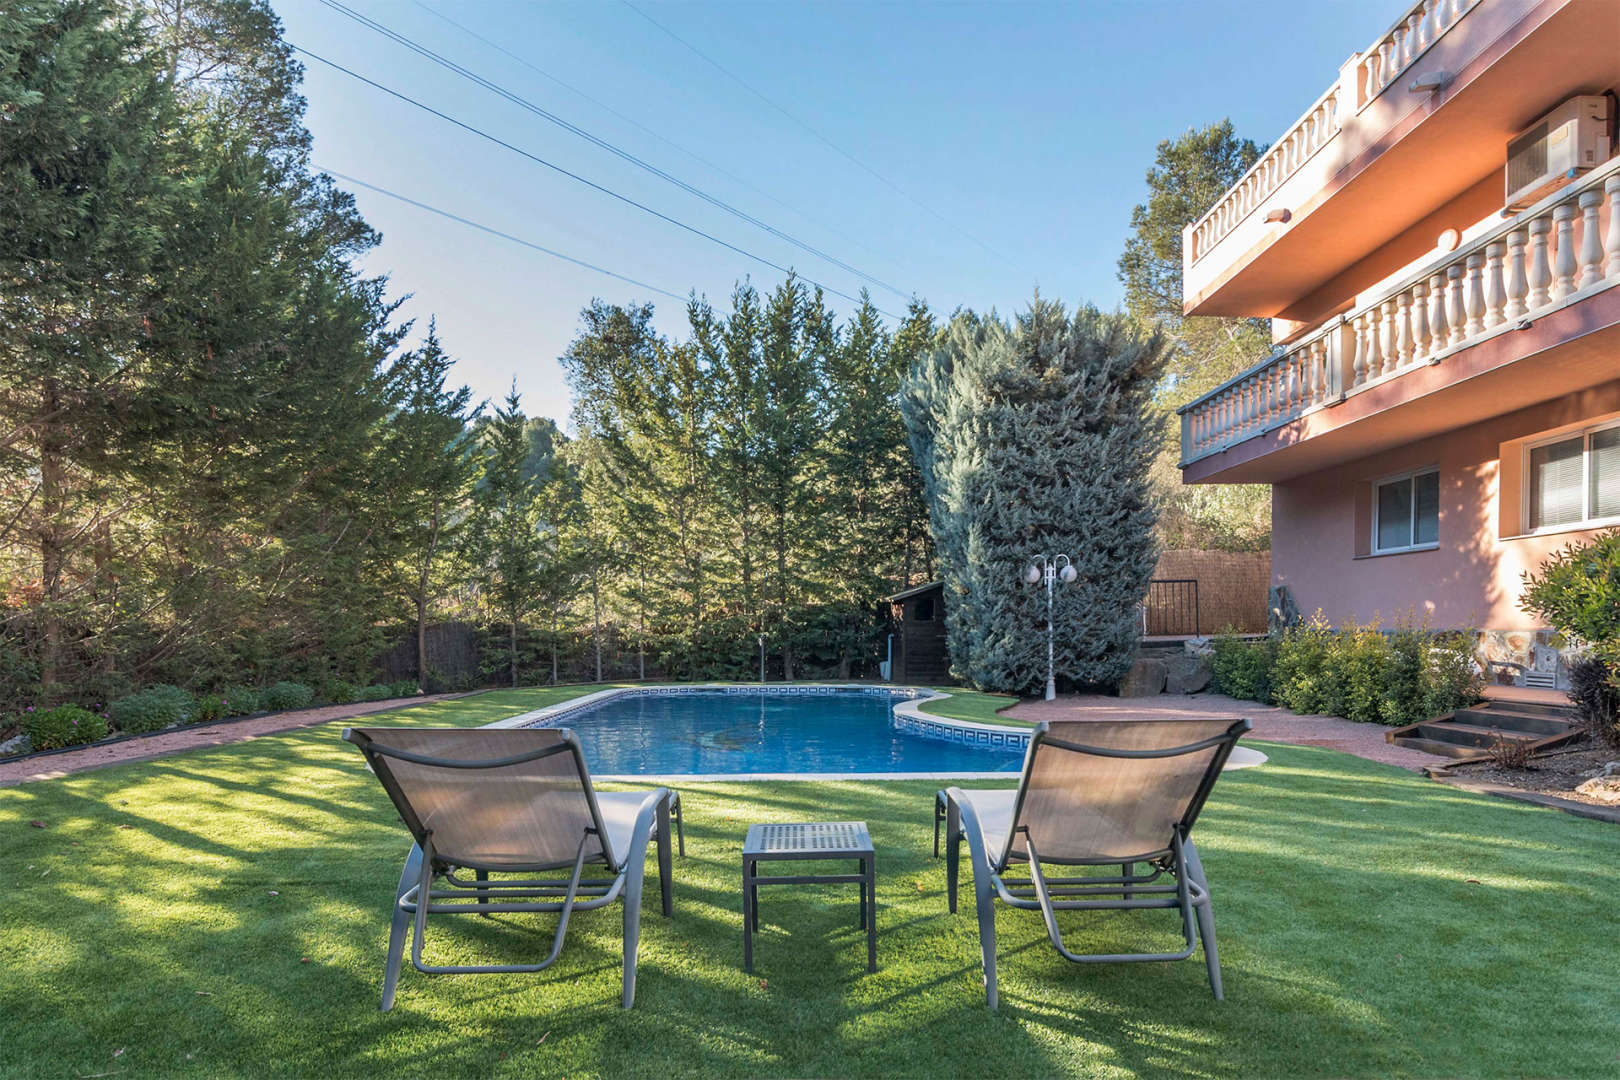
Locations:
column 750, row 913
column 862, row 923
column 871, row 913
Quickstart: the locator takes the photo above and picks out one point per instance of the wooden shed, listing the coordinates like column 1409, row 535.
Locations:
column 920, row 655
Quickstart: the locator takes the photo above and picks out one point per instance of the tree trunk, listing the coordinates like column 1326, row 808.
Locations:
column 596, row 618
column 422, row 600
column 514, row 652
column 53, row 497
column 554, row 620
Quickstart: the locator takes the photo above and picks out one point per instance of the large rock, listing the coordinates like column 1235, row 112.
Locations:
column 1187, row 675
column 1145, row 679
column 1199, row 646
column 1602, row 788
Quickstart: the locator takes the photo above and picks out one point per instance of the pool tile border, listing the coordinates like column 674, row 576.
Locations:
column 906, row 714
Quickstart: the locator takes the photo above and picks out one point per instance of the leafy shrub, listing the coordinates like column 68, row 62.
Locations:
column 1354, row 673
column 1242, row 669
column 210, row 707
column 241, row 700
column 152, row 709
column 1297, row 681
column 286, row 695
column 1578, row 591
column 65, row 725
column 1453, row 674
column 339, row 691
column 1406, row 676
column 1592, row 688
column 1508, row 753
column 376, row 692
column 404, row 688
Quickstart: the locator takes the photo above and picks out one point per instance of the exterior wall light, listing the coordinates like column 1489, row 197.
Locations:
column 1430, row 82
column 1279, row 215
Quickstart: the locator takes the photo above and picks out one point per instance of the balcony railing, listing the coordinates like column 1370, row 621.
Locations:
column 1374, row 70
column 1403, row 43
column 1309, row 134
column 1555, row 253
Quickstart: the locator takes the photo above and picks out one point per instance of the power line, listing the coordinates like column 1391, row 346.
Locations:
column 644, row 129
column 575, row 129
column 902, row 192
column 503, row 235
column 779, row 268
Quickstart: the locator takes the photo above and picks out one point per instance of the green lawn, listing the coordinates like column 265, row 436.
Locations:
column 964, row 704
column 224, row 912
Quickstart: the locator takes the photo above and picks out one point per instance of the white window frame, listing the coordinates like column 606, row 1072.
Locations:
column 1587, row 521
column 1395, row 478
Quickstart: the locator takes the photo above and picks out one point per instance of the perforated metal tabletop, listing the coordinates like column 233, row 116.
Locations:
column 809, row 840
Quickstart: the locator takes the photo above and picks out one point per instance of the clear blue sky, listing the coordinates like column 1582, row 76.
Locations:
column 1026, row 127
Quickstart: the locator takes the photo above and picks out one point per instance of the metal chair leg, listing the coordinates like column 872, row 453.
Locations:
column 665, row 876
column 396, row 930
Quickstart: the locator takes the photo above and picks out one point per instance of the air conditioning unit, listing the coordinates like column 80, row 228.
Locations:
column 1557, row 148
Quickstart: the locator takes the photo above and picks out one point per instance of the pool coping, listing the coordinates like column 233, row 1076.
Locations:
column 906, row 715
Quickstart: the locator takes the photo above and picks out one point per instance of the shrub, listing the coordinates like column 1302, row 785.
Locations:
column 241, row 700
column 1508, row 753
column 65, row 725
column 376, row 692
column 1354, row 673
column 1578, row 591
column 152, row 709
column 1242, row 669
column 404, row 688
column 1592, row 688
column 210, row 707
column 1453, row 674
column 1297, row 673
column 339, row 691
column 286, row 695
column 1406, row 676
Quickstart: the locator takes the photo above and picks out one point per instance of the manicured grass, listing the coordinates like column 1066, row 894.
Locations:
column 224, row 913
column 964, row 704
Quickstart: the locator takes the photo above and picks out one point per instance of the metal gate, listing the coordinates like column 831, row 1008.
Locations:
column 1171, row 608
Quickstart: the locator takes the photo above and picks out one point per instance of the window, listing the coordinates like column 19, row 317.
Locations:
column 1406, row 512
column 924, row 610
column 1574, row 479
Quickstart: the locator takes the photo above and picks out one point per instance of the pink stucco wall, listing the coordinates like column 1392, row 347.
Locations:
column 1473, row 579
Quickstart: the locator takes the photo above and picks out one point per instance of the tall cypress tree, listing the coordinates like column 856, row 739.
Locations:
column 506, row 531
column 1037, row 437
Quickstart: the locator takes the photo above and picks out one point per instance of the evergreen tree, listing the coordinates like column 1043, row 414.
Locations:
column 1189, row 174
column 1036, row 437
column 427, row 463
column 506, row 533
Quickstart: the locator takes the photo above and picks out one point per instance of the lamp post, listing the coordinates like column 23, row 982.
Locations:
column 1050, row 568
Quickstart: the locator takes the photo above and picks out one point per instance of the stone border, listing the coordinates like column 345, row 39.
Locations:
column 1534, row 798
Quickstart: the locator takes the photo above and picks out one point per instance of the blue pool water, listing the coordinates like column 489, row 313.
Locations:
column 716, row 731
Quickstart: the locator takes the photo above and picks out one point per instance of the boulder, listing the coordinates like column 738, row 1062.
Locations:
column 17, row 744
column 1145, row 679
column 1604, row 789
column 1199, row 646
column 1187, row 675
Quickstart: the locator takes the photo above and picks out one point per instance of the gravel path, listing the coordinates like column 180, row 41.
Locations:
column 1270, row 722
column 99, row 757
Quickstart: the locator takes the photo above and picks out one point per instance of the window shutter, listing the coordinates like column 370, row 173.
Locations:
column 1555, row 484
column 1605, row 468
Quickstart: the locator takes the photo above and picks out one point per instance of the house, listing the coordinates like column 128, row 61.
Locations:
column 1437, row 244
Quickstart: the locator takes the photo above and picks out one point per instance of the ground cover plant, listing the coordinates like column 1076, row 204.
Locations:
column 223, row 913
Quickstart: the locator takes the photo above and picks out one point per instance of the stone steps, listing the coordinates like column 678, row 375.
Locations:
column 1469, row 734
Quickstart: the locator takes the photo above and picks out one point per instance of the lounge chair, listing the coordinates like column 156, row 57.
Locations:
column 1096, row 793
column 504, row 801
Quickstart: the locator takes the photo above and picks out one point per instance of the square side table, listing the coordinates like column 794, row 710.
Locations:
column 804, row 841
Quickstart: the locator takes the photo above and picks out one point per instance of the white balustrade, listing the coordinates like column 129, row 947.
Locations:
column 1558, row 251
column 1308, row 135
column 1392, row 54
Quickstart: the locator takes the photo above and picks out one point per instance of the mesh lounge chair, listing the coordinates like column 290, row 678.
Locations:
column 502, row 801
column 1096, row 793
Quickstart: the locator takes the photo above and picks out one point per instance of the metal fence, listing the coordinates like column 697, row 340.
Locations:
column 1171, row 608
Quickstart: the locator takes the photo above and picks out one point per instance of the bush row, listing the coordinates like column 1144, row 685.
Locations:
column 161, row 706
column 1399, row 676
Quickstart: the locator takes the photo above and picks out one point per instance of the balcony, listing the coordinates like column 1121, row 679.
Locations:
column 1407, row 142
column 1404, row 343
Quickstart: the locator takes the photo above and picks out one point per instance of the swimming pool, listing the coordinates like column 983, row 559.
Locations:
column 743, row 730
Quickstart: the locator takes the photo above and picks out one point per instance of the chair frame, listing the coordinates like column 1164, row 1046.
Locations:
column 1187, row 891
column 483, row 896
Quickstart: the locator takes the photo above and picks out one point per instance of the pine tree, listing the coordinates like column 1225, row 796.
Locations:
column 1036, row 438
